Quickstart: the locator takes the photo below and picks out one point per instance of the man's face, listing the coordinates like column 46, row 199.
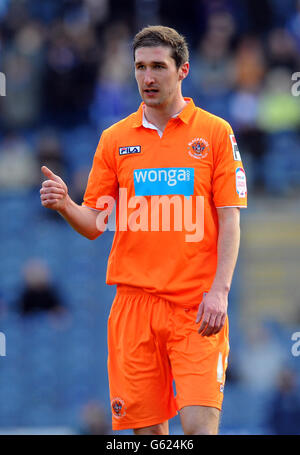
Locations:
column 156, row 74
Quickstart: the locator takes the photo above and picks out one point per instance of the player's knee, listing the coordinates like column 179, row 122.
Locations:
column 200, row 427
column 200, row 420
column 194, row 429
column 159, row 429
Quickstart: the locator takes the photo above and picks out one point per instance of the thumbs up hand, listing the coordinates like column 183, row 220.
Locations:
column 54, row 191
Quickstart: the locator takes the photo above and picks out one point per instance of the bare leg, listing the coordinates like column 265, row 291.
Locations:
column 160, row 428
column 200, row 420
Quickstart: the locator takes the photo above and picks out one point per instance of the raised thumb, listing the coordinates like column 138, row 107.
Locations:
column 49, row 174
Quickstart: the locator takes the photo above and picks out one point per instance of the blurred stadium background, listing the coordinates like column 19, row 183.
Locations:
column 69, row 74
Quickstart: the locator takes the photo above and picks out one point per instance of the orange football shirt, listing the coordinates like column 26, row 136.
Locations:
column 166, row 190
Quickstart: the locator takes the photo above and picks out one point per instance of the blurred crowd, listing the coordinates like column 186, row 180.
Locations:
column 69, row 63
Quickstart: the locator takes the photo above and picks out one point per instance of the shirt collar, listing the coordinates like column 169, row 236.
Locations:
column 184, row 115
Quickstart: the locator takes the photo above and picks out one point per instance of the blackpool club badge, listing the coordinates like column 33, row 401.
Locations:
column 198, row 148
column 118, row 407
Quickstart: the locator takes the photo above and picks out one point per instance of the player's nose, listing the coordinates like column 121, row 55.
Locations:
column 148, row 78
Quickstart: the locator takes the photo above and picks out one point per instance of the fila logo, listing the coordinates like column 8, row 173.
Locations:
column 129, row 150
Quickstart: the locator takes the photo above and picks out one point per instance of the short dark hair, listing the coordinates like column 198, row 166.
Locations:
column 158, row 35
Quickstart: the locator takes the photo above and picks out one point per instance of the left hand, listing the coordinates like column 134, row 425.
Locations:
column 212, row 312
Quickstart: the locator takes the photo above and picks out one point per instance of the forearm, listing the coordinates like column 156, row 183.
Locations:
column 228, row 247
column 82, row 219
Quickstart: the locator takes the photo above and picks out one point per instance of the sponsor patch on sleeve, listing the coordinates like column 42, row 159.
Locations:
column 235, row 149
column 240, row 182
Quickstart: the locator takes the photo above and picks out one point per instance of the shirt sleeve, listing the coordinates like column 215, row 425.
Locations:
column 229, row 178
column 102, row 180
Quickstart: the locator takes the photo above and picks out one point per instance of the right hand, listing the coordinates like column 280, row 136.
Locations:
column 54, row 191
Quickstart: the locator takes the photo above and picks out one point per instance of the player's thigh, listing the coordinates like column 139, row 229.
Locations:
column 200, row 420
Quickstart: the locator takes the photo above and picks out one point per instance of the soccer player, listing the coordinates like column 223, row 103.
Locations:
column 176, row 175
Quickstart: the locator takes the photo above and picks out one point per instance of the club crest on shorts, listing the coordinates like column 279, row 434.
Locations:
column 198, row 148
column 118, row 407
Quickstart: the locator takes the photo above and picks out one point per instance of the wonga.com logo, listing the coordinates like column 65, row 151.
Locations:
column 164, row 181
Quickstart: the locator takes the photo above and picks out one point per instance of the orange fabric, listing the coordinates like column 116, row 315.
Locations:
column 160, row 262
column 145, row 357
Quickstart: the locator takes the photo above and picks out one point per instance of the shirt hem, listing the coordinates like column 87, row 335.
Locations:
column 228, row 206
column 92, row 208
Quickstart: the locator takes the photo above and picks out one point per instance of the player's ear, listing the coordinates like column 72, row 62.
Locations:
column 184, row 71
